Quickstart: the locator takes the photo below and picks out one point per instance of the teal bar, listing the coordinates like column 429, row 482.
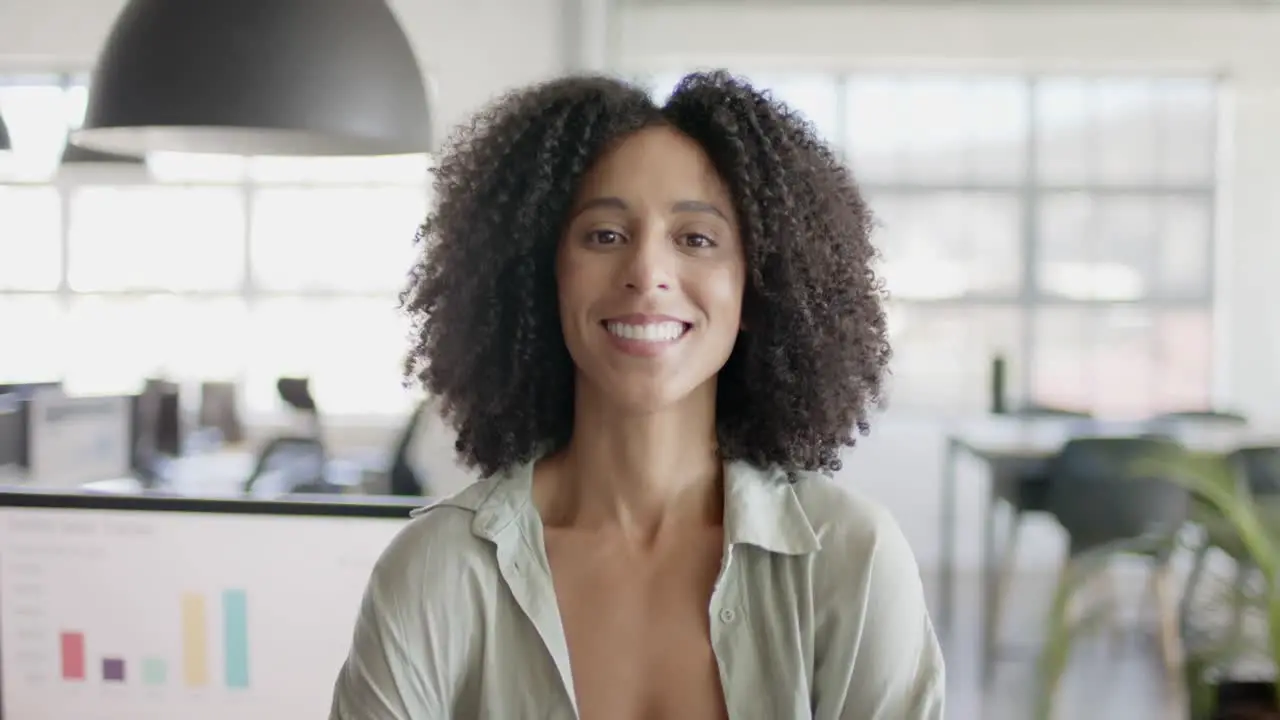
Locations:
column 235, row 639
column 153, row 671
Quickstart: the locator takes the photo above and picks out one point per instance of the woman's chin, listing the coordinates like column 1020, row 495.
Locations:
column 644, row 396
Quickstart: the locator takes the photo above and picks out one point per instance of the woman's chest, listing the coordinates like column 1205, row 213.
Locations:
column 703, row 636
column 637, row 628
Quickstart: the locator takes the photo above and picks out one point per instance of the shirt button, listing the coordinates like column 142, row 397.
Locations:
column 728, row 615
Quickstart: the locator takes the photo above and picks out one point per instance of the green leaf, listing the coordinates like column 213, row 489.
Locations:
column 1232, row 519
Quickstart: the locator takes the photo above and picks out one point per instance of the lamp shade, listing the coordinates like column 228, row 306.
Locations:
column 5, row 144
column 257, row 77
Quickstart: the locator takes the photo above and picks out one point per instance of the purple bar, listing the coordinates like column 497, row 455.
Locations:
column 113, row 669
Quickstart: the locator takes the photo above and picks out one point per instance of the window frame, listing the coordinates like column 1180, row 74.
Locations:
column 1031, row 191
column 67, row 183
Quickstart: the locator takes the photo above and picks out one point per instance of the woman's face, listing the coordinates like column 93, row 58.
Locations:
column 651, row 272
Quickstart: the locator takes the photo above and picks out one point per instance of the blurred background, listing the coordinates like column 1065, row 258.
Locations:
column 1077, row 214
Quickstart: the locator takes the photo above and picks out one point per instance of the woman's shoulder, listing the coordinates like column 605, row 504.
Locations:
column 870, row 607
column 438, row 541
column 848, row 522
column 861, row 547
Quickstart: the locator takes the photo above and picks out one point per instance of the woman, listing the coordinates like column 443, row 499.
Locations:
column 653, row 329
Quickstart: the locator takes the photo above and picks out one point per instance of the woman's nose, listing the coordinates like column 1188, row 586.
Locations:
column 648, row 264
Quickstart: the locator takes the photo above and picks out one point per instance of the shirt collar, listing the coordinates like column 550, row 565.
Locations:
column 761, row 507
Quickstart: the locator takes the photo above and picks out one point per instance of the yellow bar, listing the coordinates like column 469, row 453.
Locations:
column 195, row 641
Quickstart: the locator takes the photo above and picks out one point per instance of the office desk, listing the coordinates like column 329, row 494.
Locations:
column 1023, row 447
column 216, row 474
column 222, row 474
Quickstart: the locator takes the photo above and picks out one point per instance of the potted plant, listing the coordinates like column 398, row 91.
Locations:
column 1226, row 504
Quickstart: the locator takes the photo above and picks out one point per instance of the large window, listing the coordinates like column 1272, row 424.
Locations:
column 1064, row 222
column 201, row 267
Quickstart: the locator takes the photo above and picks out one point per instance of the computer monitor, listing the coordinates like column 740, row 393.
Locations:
column 127, row 606
column 13, row 432
column 27, row 389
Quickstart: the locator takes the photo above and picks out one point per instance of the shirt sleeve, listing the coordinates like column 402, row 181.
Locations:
column 406, row 662
column 877, row 656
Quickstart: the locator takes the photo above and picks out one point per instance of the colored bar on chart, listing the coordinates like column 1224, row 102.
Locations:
column 154, row 671
column 113, row 669
column 235, row 638
column 195, row 641
column 72, row 655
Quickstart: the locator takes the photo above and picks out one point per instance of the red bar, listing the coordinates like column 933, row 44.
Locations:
column 72, row 656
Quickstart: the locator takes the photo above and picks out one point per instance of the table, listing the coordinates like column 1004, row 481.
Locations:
column 1010, row 454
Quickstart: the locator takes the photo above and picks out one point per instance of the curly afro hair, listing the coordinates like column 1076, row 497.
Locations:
column 802, row 378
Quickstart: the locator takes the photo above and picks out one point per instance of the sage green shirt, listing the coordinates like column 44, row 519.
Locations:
column 818, row 613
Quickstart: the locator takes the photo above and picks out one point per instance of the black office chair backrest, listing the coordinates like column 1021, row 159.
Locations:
column 1100, row 492
column 297, row 393
column 402, row 478
column 13, row 430
column 1259, row 467
column 156, row 430
column 293, row 461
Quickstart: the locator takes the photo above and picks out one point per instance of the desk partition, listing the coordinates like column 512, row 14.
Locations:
column 154, row 608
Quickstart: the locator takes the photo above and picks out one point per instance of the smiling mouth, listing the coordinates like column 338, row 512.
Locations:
column 666, row 331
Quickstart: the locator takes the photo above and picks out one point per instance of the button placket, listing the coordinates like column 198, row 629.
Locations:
column 724, row 597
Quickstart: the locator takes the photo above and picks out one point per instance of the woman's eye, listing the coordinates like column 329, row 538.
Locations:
column 698, row 242
column 604, row 237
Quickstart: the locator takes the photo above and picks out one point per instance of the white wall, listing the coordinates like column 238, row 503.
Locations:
column 901, row 462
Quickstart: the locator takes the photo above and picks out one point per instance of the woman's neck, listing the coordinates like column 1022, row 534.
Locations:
column 638, row 473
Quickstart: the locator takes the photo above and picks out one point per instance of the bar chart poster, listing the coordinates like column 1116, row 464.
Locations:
column 158, row 616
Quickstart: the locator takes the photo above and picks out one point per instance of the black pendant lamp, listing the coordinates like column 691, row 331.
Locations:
column 257, row 77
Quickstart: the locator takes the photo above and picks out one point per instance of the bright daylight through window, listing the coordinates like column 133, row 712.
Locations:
column 202, row 267
column 1063, row 222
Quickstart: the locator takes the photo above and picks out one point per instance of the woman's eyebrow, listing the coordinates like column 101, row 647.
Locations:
column 698, row 206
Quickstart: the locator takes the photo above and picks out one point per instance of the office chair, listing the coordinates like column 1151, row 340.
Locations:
column 1102, row 498
column 296, row 392
column 403, row 479
column 296, row 462
column 13, row 431
column 156, row 421
column 1023, row 486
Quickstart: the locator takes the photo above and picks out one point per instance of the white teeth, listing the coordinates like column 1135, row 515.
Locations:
column 650, row 332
